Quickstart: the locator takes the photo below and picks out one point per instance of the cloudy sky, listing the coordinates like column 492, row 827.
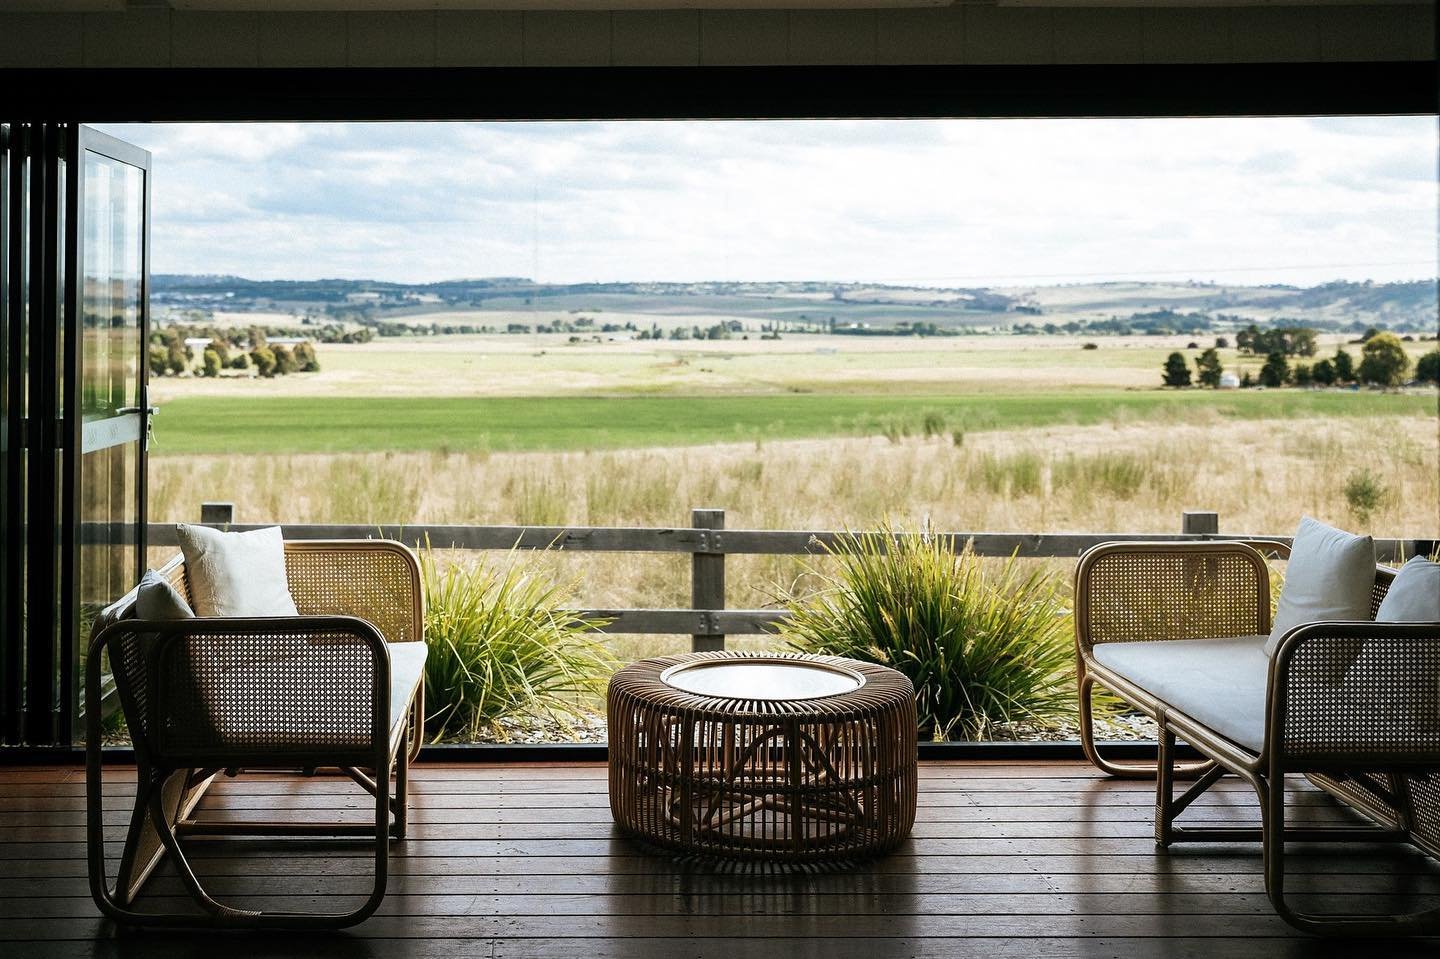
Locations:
column 951, row 202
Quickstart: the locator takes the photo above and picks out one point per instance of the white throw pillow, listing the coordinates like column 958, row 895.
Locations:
column 236, row 574
column 1329, row 577
column 1414, row 596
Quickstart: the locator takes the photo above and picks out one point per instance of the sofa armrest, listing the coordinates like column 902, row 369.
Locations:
column 251, row 690
column 1356, row 694
column 1150, row 591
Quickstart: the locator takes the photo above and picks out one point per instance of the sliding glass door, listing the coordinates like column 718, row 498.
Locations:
column 73, row 331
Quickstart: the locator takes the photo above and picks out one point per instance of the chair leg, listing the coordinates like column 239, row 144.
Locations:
column 1272, row 806
column 1164, row 786
column 401, row 804
column 1124, row 770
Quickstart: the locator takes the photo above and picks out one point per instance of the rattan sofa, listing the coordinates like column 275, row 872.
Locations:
column 340, row 685
column 1177, row 631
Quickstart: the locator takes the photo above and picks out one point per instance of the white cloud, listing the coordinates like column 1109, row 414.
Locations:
column 954, row 201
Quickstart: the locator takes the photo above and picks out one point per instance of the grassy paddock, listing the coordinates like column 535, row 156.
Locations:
column 1260, row 475
column 296, row 424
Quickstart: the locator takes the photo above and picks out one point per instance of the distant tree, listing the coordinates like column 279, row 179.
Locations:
column 1302, row 375
column 1091, row 346
column 1177, row 371
column 1208, row 368
column 1246, row 380
column 1383, row 360
column 1221, row 343
column 1369, row 334
column 1302, row 341
column 1192, row 345
column 1427, row 369
column 264, row 361
column 1344, row 367
column 1275, row 371
column 240, row 361
column 210, row 363
column 1245, row 339
column 1323, row 373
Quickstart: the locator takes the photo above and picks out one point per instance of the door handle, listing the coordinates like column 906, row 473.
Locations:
column 148, row 410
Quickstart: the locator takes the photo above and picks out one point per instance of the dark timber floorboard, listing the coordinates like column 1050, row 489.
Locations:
column 1008, row 861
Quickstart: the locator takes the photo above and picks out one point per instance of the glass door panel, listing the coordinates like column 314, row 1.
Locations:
column 110, row 395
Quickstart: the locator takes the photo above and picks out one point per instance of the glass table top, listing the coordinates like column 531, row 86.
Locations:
column 762, row 679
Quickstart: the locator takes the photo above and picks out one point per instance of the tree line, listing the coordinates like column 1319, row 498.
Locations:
column 170, row 354
column 1383, row 362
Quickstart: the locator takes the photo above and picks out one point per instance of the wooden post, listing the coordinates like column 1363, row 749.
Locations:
column 217, row 514
column 1200, row 523
column 707, row 579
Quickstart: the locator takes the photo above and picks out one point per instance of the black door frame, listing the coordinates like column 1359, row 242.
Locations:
column 353, row 94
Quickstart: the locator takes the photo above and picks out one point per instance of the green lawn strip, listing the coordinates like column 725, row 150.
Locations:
column 361, row 424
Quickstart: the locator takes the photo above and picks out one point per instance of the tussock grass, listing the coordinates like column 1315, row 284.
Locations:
column 984, row 644
column 501, row 645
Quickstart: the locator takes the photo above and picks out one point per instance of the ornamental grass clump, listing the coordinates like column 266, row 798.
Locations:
column 985, row 645
column 501, row 645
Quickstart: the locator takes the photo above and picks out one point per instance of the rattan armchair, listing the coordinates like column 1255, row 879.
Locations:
column 1353, row 706
column 337, row 686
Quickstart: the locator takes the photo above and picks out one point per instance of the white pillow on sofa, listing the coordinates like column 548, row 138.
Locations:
column 236, row 574
column 1414, row 595
column 1329, row 577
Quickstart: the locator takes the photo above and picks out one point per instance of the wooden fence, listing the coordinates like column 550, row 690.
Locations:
column 708, row 542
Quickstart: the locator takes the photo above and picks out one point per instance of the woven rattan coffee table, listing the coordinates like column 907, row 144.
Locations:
column 763, row 756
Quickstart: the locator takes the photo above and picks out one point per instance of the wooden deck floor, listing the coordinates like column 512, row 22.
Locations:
column 1007, row 860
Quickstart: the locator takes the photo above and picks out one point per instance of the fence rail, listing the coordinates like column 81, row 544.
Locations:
column 708, row 542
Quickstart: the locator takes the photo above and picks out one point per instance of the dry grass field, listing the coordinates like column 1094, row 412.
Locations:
column 1260, row 475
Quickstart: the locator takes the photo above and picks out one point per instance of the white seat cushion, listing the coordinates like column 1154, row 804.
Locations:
column 1220, row 683
column 407, row 669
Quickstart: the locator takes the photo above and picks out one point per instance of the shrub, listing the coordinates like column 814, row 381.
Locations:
column 1383, row 360
column 1365, row 492
column 1323, row 373
column 1208, row 368
column 264, row 360
column 284, row 360
column 501, row 645
column 1427, row 368
column 982, row 646
column 211, row 363
column 240, row 361
column 1176, row 372
column 1344, row 367
column 1302, row 374
column 159, row 359
column 1090, row 346
column 1275, row 371
column 221, row 349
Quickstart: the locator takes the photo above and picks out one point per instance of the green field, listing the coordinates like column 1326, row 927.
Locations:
column 308, row 424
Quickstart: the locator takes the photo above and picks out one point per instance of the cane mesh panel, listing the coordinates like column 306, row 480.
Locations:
column 273, row 693
column 1148, row 595
column 372, row 581
column 1385, row 705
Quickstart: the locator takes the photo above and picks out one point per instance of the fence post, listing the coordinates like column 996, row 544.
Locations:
column 217, row 514
column 1200, row 523
column 707, row 579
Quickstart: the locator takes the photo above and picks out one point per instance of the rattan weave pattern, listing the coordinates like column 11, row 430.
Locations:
column 1167, row 592
column 799, row 780
column 1385, row 705
column 375, row 581
column 266, row 693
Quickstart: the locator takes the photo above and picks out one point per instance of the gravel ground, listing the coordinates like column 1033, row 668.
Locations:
column 530, row 731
